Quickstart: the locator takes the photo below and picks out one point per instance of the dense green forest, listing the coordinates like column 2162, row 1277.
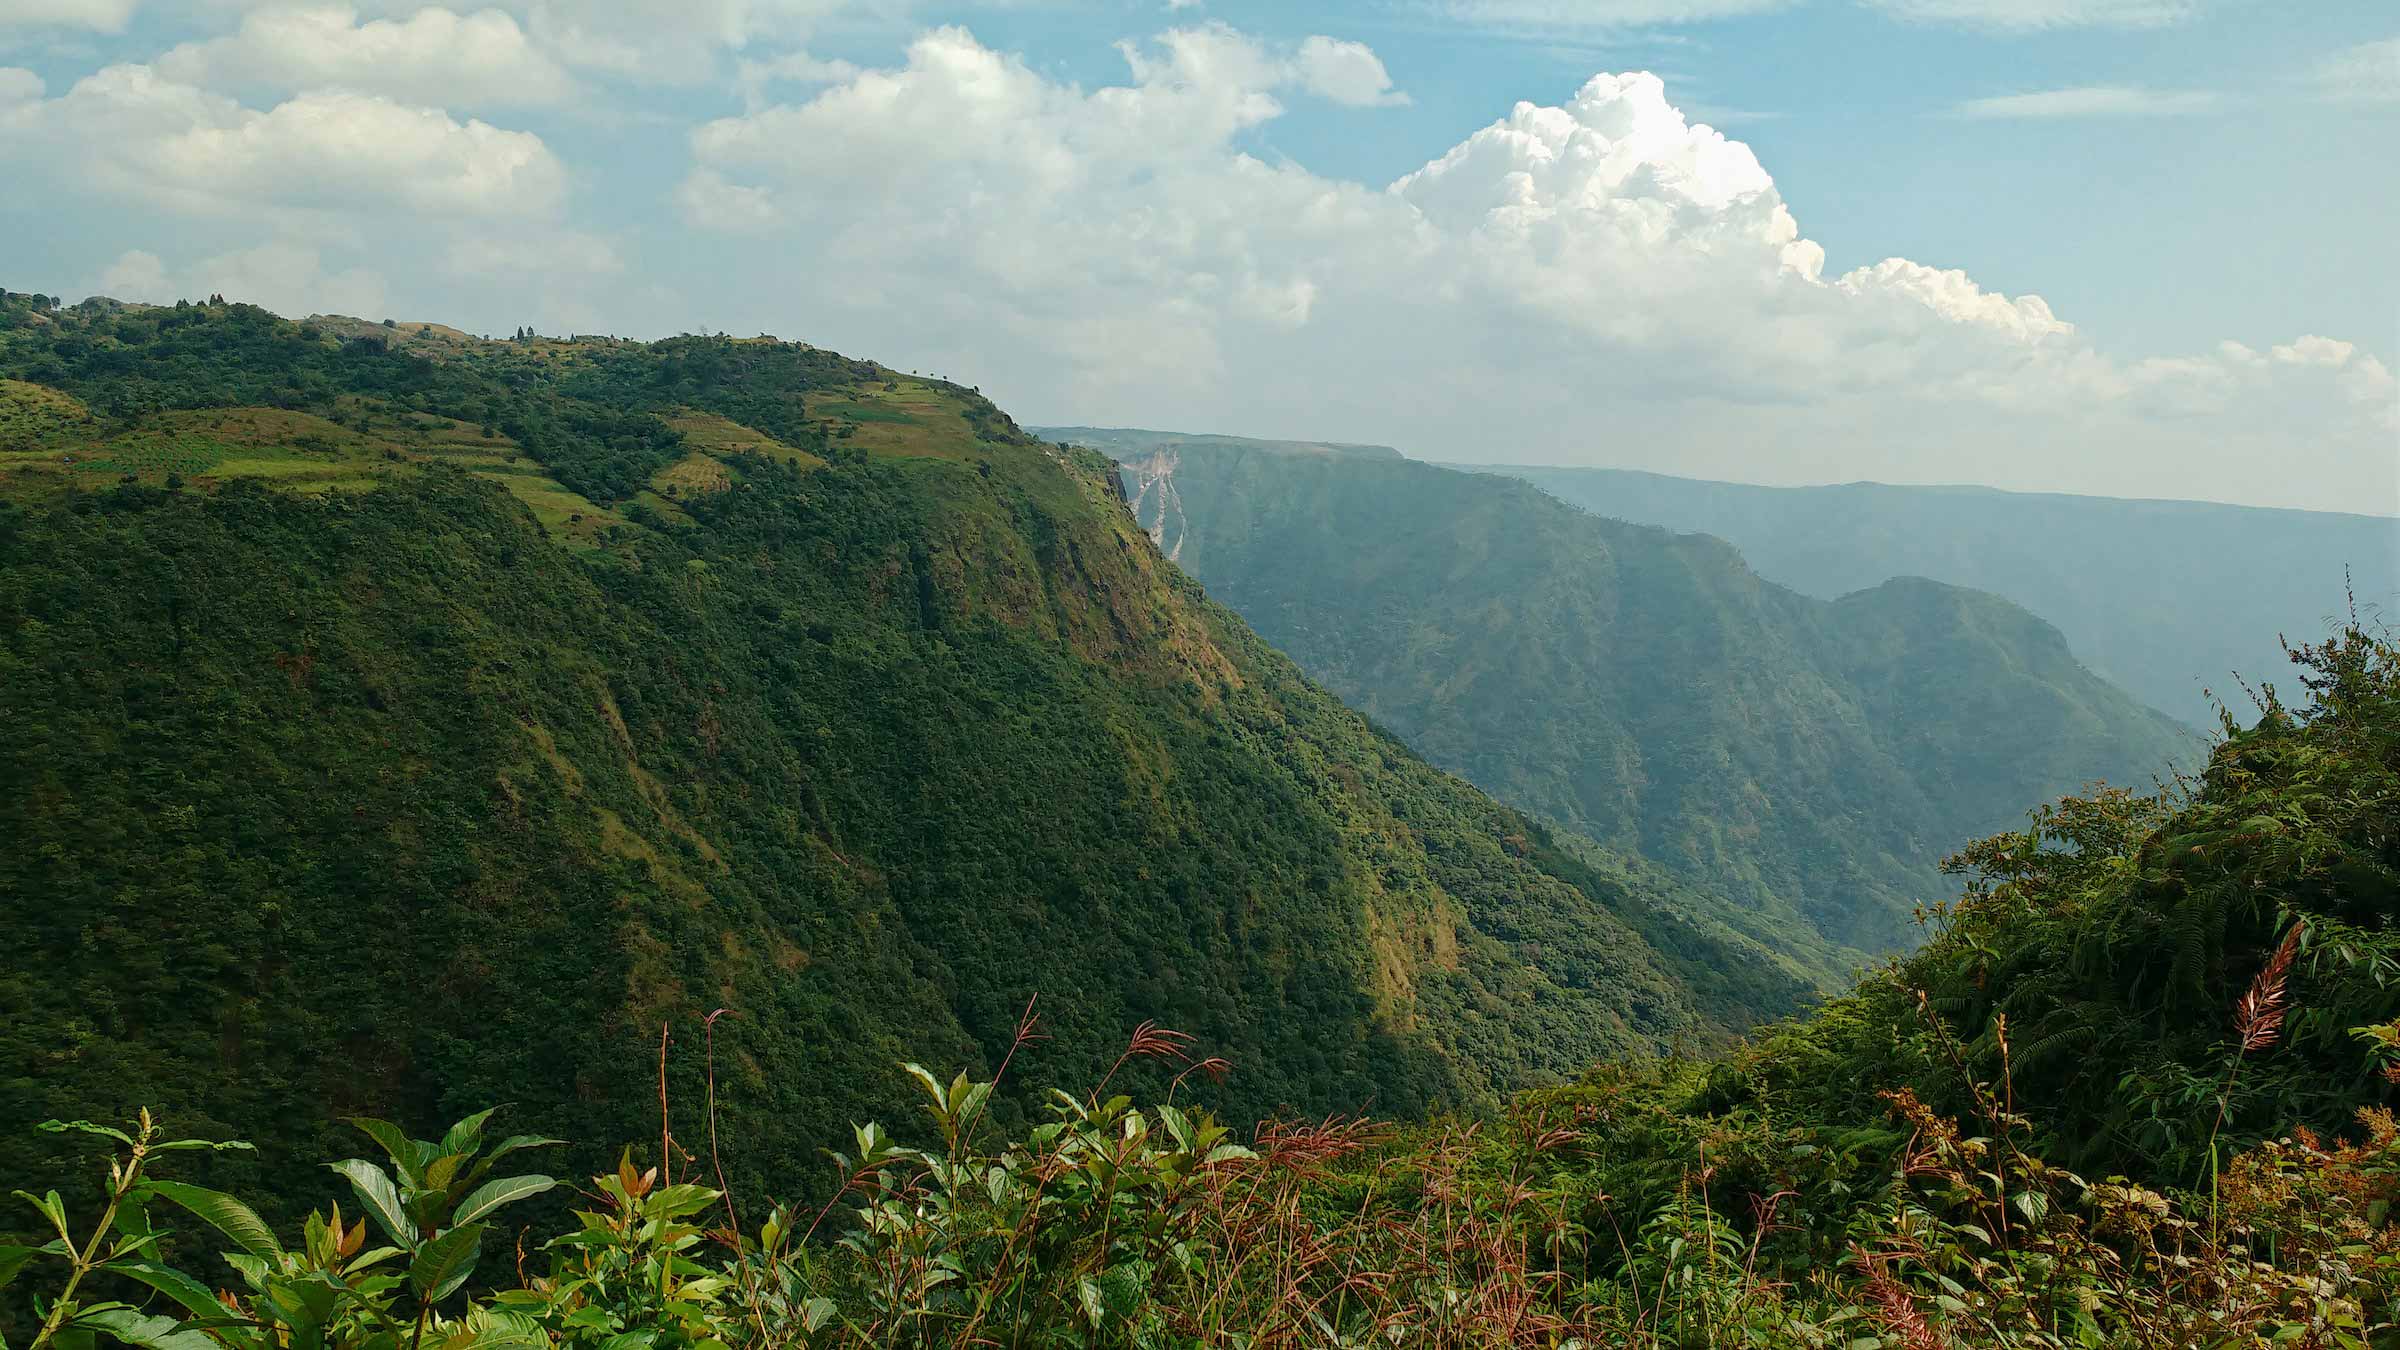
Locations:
column 401, row 723
column 2136, row 1092
column 1812, row 759
column 2116, row 576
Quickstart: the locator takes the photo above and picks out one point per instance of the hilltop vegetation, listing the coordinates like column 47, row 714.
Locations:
column 399, row 726
column 1812, row 760
column 2098, row 1110
column 2116, row 576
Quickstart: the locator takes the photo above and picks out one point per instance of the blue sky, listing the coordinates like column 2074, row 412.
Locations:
column 2147, row 242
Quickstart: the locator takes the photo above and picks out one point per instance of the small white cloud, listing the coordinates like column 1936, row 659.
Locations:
column 712, row 203
column 99, row 16
column 1348, row 73
column 2366, row 73
column 283, row 276
column 2311, row 350
column 2097, row 100
column 2024, row 15
column 333, row 153
column 19, row 85
column 1952, row 294
column 137, row 275
column 756, row 78
column 434, row 57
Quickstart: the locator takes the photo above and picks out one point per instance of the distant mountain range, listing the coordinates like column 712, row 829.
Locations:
column 2170, row 599
column 1814, row 759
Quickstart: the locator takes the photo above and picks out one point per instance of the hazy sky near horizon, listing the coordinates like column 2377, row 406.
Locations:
column 2136, row 247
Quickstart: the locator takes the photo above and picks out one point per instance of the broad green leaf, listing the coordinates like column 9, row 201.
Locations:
column 444, row 1262
column 677, row 1201
column 146, row 1330
column 818, row 1313
column 439, row 1172
column 225, row 1214
column 52, row 1208
column 491, row 1195
column 196, row 1298
column 381, row 1197
column 466, row 1134
column 1087, row 1291
column 406, row 1153
column 933, row 1089
column 515, row 1142
column 13, row 1259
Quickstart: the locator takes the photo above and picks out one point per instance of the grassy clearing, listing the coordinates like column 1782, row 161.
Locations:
column 30, row 414
column 696, row 474
column 901, row 417
column 720, row 436
column 362, row 445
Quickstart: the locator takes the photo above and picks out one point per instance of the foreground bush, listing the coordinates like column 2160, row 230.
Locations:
column 1113, row 1225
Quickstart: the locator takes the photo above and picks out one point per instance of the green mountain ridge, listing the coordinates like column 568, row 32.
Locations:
column 1813, row 759
column 402, row 722
column 2117, row 575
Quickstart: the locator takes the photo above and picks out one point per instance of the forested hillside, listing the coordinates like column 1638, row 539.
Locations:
column 2170, row 600
column 2136, row 1094
column 401, row 723
column 1648, row 689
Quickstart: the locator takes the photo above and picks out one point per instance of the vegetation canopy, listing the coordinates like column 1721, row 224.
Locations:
column 1891, row 1171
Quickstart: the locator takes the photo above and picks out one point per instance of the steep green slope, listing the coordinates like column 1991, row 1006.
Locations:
column 2166, row 599
column 403, row 726
column 1815, row 760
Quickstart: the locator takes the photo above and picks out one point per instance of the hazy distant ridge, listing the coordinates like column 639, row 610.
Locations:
column 2165, row 598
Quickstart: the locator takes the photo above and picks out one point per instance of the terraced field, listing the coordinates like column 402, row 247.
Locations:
column 901, row 416
column 50, row 443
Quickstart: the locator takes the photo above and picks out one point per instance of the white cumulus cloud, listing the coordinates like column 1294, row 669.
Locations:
column 1345, row 72
column 1600, row 280
column 435, row 57
column 100, row 16
column 132, row 131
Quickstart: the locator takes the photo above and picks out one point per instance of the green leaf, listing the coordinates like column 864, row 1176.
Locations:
column 2032, row 1204
column 225, row 1214
column 381, row 1197
column 492, row 1195
column 13, row 1259
column 515, row 1142
column 1087, row 1291
column 85, row 1127
column 444, row 1262
column 52, row 1208
column 466, row 1134
column 147, row 1330
column 402, row 1150
column 440, row 1171
column 933, row 1089
column 197, row 1298
column 817, row 1314
column 677, row 1201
